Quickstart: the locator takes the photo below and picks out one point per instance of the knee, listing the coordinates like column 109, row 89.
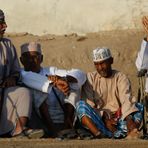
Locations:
column 24, row 94
column 80, row 105
column 81, row 109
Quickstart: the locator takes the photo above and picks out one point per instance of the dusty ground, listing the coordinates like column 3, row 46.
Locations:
column 73, row 51
column 49, row 143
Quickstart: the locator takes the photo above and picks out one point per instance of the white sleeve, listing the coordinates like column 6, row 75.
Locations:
column 61, row 72
column 79, row 75
column 76, row 73
column 36, row 81
column 142, row 57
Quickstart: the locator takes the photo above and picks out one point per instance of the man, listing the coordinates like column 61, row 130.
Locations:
column 142, row 57
column 142, row 66
column 56, row 91
column 15, row 101
column 110, row 109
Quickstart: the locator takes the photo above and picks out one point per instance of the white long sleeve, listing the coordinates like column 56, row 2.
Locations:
column 40, row 82
column 142, row 58
column 36, row 81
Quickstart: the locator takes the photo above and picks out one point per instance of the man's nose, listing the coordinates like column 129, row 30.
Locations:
column 30, row 59
column 100, row 66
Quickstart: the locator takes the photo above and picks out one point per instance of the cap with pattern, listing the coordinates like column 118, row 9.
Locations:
column 101, row 54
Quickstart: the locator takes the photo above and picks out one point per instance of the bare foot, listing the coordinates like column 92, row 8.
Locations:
column 134, row 134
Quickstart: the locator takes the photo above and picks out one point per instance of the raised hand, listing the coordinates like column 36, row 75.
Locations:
column 9, row 82
column 145, row 23
column 53, row 78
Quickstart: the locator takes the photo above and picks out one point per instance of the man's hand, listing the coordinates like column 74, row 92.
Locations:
column 111, row 124
column 63, row 86
column 53, row 78
column 60, row 83
column 145, row 24
column 142, row 72
column 9, row 82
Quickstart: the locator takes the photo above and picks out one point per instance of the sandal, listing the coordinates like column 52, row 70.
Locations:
column 67, row 134
column 84, row 134
column 30, row 134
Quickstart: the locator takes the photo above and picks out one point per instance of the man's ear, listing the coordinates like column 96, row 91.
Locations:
column 41, row 58
column 21, row 60
column 111, row 60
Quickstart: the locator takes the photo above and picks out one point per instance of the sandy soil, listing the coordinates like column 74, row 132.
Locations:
column 50, row 143
column 73, row 51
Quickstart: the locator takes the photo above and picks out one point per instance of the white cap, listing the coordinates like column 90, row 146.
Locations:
column 101, row 54
column 32, row 46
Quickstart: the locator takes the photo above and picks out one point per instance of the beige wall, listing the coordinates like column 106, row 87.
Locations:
column 67, row 16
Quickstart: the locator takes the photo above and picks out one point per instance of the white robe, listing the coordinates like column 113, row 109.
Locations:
column 142, row 60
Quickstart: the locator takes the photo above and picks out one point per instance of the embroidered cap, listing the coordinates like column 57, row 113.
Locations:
column 32, row 46
column 101, row 54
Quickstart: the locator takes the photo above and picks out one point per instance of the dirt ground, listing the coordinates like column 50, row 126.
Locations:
column 74, row 51
column 50, row 143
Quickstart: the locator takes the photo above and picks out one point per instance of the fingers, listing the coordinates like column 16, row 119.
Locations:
column 145, row 23
column 53, row 78
column 62, row 86
column 9, row 82
column 66, row 91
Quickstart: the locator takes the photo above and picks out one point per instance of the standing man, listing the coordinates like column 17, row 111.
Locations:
column 15, row 101
column 55, row 91
column 110, row 108
column 142, row 67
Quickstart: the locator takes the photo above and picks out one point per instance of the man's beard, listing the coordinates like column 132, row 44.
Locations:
column 105, row 73
column 32, row 68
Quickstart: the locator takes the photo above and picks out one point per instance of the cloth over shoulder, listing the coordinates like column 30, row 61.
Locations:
column 142, row 57
column 142, row 60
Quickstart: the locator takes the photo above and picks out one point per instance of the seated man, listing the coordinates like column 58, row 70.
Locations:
column 110, row 109
column 15, row 101
column 56, row 91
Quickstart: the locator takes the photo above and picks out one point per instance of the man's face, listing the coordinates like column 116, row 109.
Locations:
column 3, row 27
column 104, row 67
column 31, row 61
